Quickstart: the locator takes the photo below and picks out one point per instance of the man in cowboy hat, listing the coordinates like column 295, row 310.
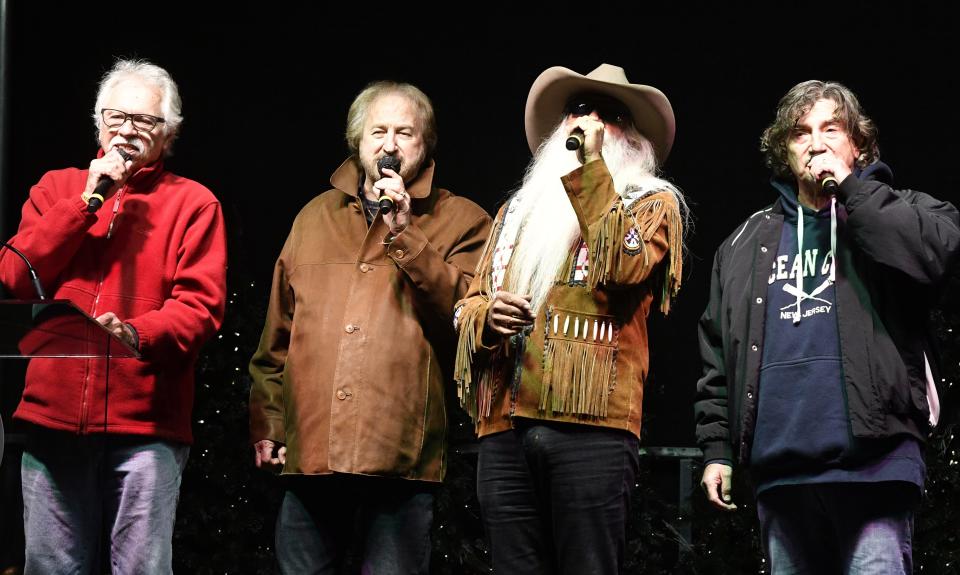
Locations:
column 552, row 353
column 818, row 368
column 348, row 383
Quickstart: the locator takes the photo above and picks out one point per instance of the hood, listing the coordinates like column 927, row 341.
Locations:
column 877, row 171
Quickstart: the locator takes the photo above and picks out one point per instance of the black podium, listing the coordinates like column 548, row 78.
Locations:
column 53, row 328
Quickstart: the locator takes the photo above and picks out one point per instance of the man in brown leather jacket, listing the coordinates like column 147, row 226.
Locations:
column 348, row 383
column 553, row 336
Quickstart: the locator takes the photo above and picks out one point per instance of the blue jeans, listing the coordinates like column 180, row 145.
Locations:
column 77, row 486
column 555, row 497
column 386, row 520
column 851, row 528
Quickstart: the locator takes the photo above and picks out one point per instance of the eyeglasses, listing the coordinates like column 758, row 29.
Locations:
column 141, row 122
column 611, row 111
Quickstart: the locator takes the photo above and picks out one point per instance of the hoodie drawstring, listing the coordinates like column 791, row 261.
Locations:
column 798, row 292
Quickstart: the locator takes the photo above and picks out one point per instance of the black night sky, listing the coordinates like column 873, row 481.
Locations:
column 266, row 87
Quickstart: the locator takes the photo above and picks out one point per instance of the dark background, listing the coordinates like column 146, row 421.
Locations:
column 265, row 93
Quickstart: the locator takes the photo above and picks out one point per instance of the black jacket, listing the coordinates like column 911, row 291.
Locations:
column 894, row 248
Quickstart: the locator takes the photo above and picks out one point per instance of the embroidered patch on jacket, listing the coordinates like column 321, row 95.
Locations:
column 632, row 242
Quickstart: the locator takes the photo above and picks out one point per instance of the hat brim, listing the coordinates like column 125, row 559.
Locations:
column 651, row 110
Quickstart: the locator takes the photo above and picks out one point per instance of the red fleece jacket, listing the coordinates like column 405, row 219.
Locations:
column 155, row 254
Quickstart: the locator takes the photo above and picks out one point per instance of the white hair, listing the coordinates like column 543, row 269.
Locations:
column 543, row 227
column 152, row 74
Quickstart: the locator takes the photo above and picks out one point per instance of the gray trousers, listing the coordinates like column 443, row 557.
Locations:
column 76, row 487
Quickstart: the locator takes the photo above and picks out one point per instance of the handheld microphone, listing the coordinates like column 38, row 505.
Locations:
column 393, row 163
column 33, row 273
column 829, row 184
column 104, row 185
column 575, row 140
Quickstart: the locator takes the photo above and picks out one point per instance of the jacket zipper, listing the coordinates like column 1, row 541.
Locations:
column 85, row 404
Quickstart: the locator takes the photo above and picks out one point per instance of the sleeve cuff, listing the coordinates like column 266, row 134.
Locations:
column 847, row 189
column 716, row 451
column 271, row 428
column 405, row 246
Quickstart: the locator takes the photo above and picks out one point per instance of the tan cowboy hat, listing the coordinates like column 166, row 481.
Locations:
column 651, row 111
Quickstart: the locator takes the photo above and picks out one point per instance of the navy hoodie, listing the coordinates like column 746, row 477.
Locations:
column 803, row 432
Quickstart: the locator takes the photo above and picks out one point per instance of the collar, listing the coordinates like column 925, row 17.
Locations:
column 346, row 178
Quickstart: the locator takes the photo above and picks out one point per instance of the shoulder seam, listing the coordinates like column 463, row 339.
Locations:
column 743, row 229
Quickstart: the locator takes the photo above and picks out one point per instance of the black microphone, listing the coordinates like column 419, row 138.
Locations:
column 33, row 273
column 829, row 184
column 103, row 186
column 393, row 163
column 575, row 140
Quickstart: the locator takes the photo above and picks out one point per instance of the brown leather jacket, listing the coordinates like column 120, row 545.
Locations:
column 585, row 358
column 358, row 340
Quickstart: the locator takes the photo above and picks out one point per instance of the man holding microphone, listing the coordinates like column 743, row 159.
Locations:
column 818, row 367
column 552, row 355
column 108, row 439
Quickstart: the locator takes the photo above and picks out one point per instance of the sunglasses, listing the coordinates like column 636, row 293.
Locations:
column 611, row 111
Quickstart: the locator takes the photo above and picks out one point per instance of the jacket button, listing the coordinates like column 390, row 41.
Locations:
column 398, row 254
column 341, row 395
column 754, row 347
column 763, row 249
column 749, row 395
column 350, row 328
column 759, row 300
column 364, row 268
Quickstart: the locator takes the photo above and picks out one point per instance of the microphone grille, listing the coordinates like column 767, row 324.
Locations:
column 388, row 162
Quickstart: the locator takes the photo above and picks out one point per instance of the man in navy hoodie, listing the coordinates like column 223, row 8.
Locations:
column 818, row 367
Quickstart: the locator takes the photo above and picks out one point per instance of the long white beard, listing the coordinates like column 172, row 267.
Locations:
column 543, row 227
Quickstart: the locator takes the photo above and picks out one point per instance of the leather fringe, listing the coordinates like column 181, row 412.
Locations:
column 473, row 400
column 579, row 375
column 647, row 214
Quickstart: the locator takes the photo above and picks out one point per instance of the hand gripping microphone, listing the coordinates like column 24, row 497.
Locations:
column 829, row 184
column 575, row 140
column 103, row 186
column 393, row 163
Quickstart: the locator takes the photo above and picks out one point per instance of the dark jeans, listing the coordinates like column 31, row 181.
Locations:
column 852, row 528
column 555, row 497
column 324, row 520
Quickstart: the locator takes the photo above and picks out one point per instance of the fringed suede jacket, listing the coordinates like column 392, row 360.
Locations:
column 585, row 358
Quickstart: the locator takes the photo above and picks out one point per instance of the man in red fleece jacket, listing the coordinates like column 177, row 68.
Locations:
column 107, row 440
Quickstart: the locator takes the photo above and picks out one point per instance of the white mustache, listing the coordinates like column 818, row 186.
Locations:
column 133, row 142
